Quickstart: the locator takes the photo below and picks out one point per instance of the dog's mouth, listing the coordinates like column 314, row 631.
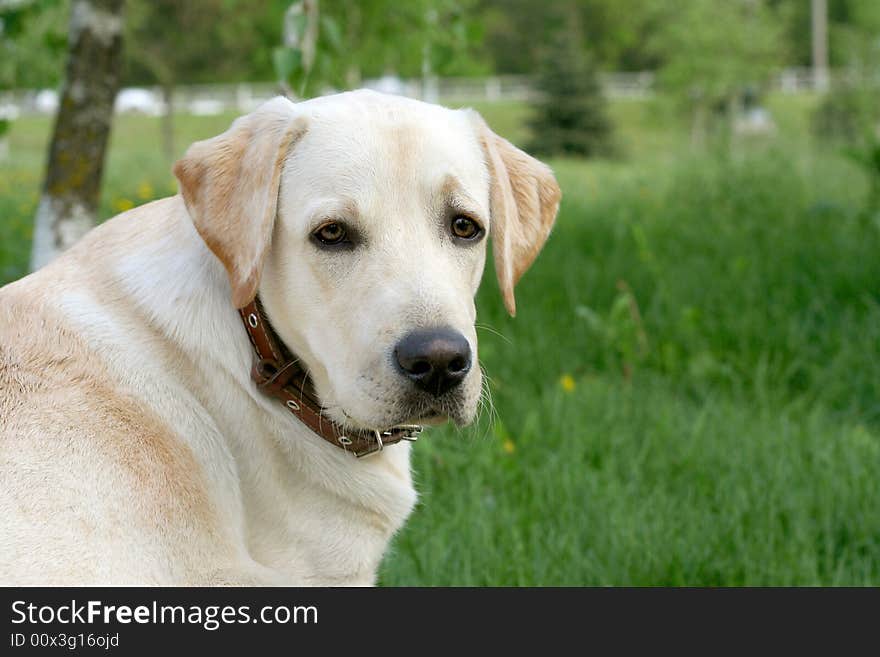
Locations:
column 429, row 417
column 437, row 411
column 432, row 417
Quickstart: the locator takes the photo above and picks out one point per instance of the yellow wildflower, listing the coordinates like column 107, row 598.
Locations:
column 508, row 446
column 567, row 382
column 123, row 204
column 145, row 191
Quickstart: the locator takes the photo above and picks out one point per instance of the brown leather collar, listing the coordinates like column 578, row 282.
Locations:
column 278, row 373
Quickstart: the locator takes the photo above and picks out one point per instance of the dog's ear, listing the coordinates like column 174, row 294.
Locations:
column 230, row 186
column 524, row 198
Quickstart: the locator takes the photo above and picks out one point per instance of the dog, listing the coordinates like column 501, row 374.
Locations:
column 221, row 387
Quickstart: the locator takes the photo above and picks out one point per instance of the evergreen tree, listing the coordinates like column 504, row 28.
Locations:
column 570, row 114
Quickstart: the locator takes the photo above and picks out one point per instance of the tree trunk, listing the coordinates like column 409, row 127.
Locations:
column 167, row 121
column 71, row 190
column 819, row 21
column 4, row 137
column 699, row 119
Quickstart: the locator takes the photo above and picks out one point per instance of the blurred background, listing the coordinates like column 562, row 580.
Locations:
column 690, row 393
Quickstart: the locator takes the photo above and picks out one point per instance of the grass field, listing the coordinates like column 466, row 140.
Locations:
column 690, row 393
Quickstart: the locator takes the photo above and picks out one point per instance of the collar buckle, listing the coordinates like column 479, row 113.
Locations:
column 408, row 432
column 374, row 448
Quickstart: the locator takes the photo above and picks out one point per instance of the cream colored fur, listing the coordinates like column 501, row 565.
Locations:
column 134, row 448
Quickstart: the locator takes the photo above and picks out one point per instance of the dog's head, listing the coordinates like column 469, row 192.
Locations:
column 362, row 220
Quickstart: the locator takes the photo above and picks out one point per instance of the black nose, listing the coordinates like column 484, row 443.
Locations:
column 435, row 360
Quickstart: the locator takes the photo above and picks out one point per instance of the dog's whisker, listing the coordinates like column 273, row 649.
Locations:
column 486, row 327
column 486, row 403
column 301, row 390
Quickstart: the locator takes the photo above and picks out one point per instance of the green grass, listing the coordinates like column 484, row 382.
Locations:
column 728, row 433
column 690, row 393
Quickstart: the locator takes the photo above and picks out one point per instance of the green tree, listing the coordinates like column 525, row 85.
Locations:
column 855, row 41
column 851, row 23
column 170, row 42
column 570, row 115
column 370, row 38
column 32, row 42
column 711, row 51
column 851, row 112
column 615, row 32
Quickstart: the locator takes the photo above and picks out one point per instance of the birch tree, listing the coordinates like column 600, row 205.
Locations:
column 71, row 190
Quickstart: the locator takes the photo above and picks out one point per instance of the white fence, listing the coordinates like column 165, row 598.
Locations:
column 218, row 98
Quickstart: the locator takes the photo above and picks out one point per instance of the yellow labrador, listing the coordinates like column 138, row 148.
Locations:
column 145, row 438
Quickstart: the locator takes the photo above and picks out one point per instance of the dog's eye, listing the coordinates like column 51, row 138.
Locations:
column 466, row 228
column 331, row 233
